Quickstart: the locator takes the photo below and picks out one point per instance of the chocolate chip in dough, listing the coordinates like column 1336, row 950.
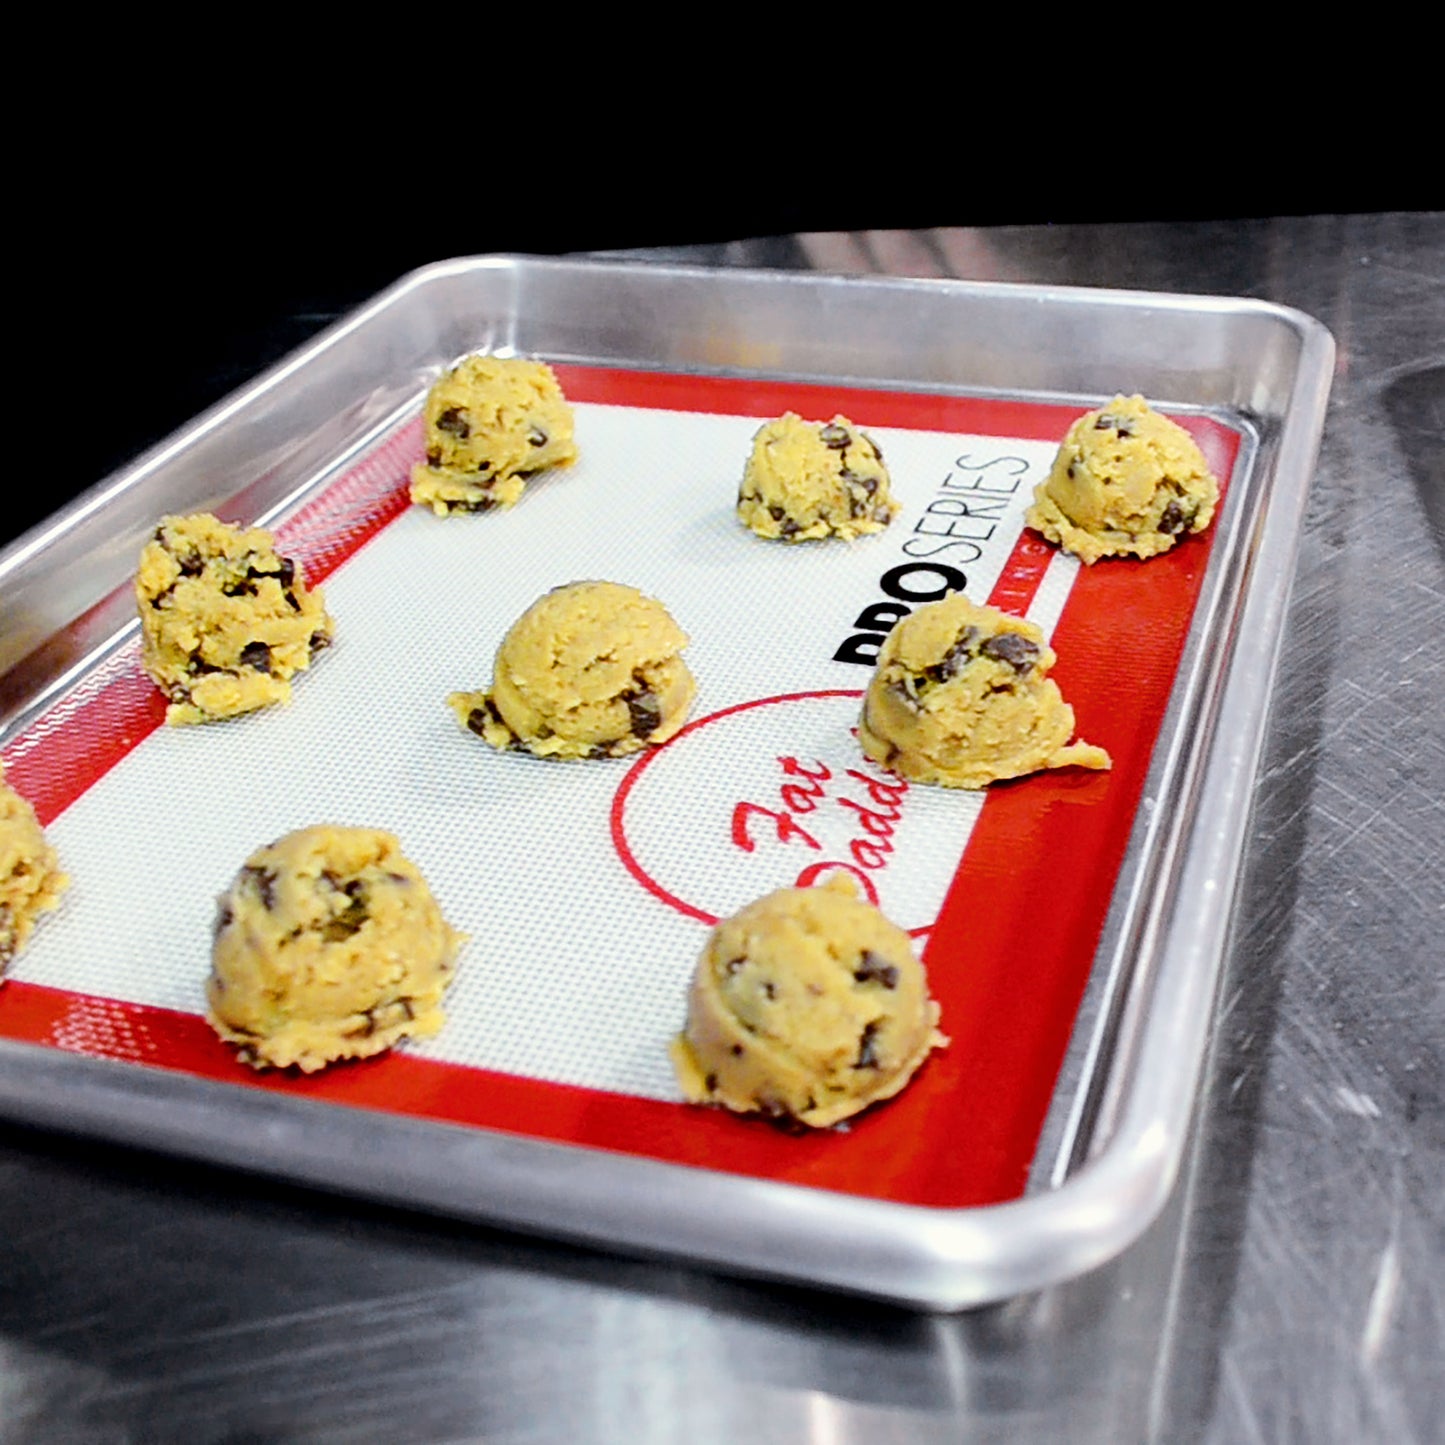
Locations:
column 1174, row 519
column 472, row 504
column 453, row 421
column 957, row 656
column 644, row 709
column 256, row 655
column 867, row 1050
column 264, row 881
column 874, row 969
column 1013, row 648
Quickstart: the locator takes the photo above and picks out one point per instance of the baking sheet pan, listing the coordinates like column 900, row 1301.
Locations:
column 547, row 1102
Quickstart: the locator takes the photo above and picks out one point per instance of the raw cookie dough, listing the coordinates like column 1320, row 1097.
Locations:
column 959, row 697
column 590, row 670
column 814, row 479
column 806, row 1005
column 491, row 422
column 328, row 945
column 226, row 622
column 1125, row 482
column 30, row 878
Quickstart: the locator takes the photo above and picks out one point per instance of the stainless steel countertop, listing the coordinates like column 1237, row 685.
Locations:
column 1294, row 1288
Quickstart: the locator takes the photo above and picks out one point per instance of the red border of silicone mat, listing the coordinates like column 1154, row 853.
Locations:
column 1008, row 960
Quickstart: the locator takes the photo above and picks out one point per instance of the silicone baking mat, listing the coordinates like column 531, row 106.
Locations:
column 587, row 889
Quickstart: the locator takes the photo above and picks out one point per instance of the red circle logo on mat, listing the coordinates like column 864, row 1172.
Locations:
column 776, row 793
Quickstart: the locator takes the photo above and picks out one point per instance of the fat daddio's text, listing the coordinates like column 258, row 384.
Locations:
column 870, row 805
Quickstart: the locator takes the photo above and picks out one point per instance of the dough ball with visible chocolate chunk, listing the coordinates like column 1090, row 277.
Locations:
column 226, row 621
column 1126, row 482
column 961, row 697
column 491, row 422
column 328, row 945
column 30, row 878
column 590, row 670
column 811, row 479
column 807, row 1005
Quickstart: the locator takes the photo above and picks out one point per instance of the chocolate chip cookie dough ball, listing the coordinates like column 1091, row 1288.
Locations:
column 590, row 670
column 30, row 878
column 226, row 621
column 805, row 480
column 806, row 1005
column 328, row 945
column 1125, row 482
column 960, row 698
column 491, row 422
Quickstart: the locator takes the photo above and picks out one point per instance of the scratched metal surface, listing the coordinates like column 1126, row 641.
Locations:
column 1294, row 1289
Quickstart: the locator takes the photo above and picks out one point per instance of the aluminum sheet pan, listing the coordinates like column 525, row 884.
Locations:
column 915, row 1204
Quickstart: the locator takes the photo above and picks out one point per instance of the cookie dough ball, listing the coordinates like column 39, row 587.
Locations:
column 814, row 479
column 491, row 422
column 1125, row 482
column 960, row 697
column 590, row 670
column 226, row 621
column 806, row 1005
column 30, row 878
column 328, row 945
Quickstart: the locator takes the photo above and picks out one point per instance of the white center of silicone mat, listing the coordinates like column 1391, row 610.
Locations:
column 580, row 950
